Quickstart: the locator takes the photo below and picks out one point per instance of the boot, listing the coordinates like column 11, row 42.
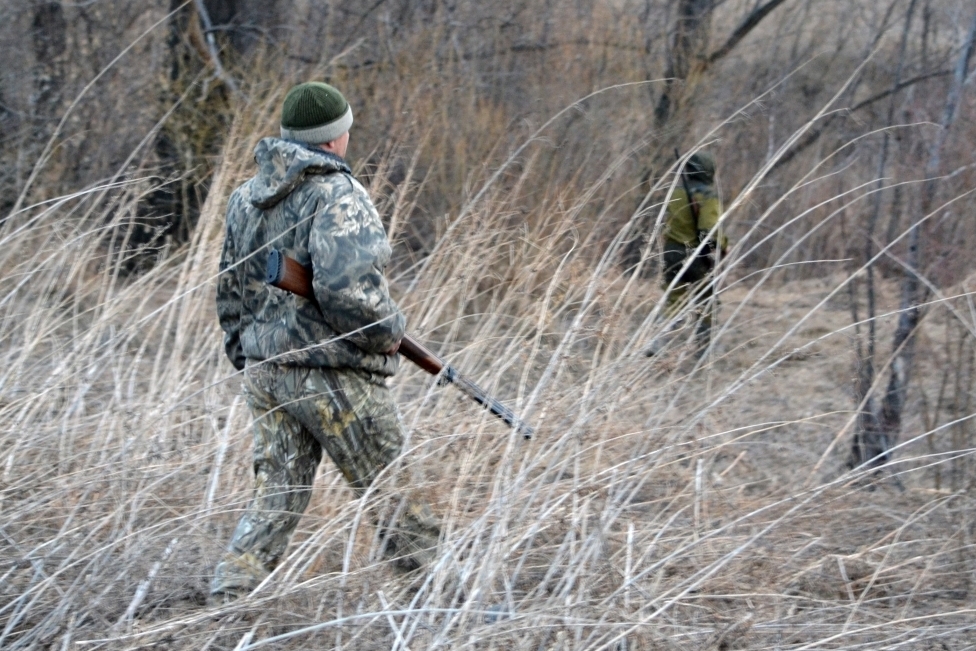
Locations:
column 236, row 575
column 703, row 335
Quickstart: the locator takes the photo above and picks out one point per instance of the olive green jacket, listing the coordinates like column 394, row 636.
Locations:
column 680, row 225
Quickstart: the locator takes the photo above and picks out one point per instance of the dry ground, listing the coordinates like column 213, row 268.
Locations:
column 664, row 504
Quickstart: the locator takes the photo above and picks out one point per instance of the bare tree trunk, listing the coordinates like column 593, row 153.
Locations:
column 194, row 132
column 49, row 38
column 869, row 427
column 688, row 55
column 872, row 443
column 689, row 48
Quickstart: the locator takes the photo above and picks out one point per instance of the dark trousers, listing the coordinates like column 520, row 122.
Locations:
column 687, row 288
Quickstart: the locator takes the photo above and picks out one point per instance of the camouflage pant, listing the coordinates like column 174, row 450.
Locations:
column 298, row 412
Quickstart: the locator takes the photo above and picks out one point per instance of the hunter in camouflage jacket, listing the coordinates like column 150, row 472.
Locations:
column 314, row 371
column 306, row 202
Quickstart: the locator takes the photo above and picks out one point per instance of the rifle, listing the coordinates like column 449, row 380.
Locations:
column 290, row 275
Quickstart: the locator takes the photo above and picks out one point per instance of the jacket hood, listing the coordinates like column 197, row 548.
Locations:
column 283, row 165
column 701, row 167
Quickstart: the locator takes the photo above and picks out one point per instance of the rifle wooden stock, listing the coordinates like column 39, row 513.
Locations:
column 290, row 275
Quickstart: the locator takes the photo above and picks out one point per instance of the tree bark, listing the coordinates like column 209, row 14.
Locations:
column 873, row 442
column 688, row 55
column 752, row 20
column 689, row 45
column 49, row 40
column 870, row 429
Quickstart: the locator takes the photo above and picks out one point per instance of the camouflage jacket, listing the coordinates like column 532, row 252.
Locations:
column 306, row 202
column 681, row 222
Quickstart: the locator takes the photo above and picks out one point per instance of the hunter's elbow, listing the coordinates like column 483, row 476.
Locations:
column 384, row 335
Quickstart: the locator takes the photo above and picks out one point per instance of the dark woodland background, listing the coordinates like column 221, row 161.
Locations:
column 465, row 81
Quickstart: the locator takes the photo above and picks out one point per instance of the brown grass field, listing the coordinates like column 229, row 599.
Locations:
column 667, row 503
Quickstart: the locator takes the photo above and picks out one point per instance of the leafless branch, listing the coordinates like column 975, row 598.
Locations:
column 814, row 135
column 208, row 32
column 751, row 21
column 873, row 446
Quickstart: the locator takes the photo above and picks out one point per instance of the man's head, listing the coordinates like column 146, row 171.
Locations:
column 701, row 167
column 317, row 114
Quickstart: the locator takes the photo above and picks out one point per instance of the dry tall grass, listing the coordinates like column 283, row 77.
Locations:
column 672, row 503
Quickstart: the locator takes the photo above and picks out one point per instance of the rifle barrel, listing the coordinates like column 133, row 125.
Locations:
column 419, row 354
column 290, row 275
column 480, row 396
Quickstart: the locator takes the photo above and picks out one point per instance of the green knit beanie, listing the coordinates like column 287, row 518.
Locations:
column 314, row 113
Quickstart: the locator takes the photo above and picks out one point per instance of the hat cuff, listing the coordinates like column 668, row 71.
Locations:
column 322, row 133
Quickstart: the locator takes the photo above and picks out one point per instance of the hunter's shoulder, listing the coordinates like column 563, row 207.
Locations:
column 239, row 195
column 678, row 197
column 341, row 193
column 239, row 203
column 336, row 185
column 326, row 186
